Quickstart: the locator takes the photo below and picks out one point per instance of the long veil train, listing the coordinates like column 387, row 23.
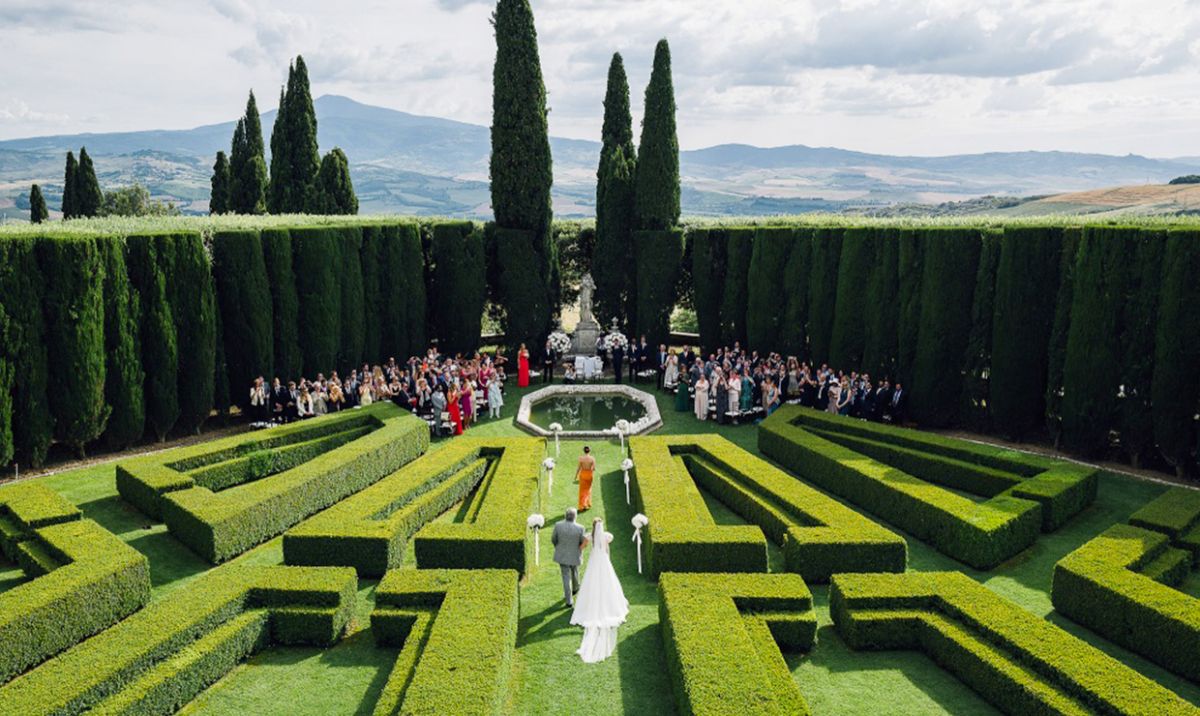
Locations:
column 601, row 606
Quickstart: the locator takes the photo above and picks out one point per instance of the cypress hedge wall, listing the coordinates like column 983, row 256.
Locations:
column 195, row 312
column 351, row 348
column 285, row 304
column 160, row 350
column 317, row 262
column 413, row 267
column 709, row 264
column 1135, row 421
column 1176, row 382
column 459, row 286
column 847, row 340
column 822, row 291
column 794, row 301
column 739, row 247
column 123, row 374
column 1056, row 346
column 374, row 269
column 910, row 257
column 522, row 290
column 247, row 316
column 977, row 360
column 21, row 290
column 879, row 350
column 771, row 249
column 658, row 255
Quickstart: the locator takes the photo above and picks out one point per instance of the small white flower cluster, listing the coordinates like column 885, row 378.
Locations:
column 536, row 520
column 548, row 463
column 640, row 520
column 614, row 340
column 560, row 342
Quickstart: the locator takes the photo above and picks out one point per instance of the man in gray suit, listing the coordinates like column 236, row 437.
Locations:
column 569, row 539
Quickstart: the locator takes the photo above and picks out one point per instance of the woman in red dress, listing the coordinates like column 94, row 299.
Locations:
column 455, row 411
column 523, row 367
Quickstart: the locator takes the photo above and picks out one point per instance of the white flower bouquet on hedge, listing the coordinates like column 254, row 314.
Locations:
column 616, row 339
column 560, row 342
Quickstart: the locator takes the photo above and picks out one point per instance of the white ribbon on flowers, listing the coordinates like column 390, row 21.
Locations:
column 536, row 522
column 626, row 466
column 556, row 428
column 639, row 521
column 548, row 463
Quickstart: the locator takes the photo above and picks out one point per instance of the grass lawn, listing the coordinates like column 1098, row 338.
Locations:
column 547, row 676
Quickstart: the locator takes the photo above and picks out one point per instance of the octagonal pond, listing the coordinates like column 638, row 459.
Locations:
column 587, row 410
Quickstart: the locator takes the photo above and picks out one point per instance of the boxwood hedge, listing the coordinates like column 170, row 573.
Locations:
column 901, row 476
column 221, row 525
column 491, row 534
column 723, row 634
column 682, row 535
column 452, row 660
column 1018, row 662
column 819, row 535
column 84, row 579
column 160, row 658
column 370, row 530
column 1120, row 584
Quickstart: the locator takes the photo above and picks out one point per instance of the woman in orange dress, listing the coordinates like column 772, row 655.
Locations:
column 523, row 367
column 583, row 475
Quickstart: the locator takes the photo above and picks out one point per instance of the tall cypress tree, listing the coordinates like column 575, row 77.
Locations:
column 194, row 310
column 247, row 167
column 295, row 159
column 1176, row 384
column 88, row 196
column 218, row 198
column 23, row 286
column 521, row 177
column 614, row 211
column 657, row 203
column 285, row 304
column 70, row 180
column 147, row 258
column 37, row 206
column 334, row 186
column 281, row 172
column 124, row 376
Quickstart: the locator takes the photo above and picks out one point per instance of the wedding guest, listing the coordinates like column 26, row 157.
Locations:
column 701, row 398
column 670, row 372
column 734, row 388
column 569, row 374
column 721, row 389
column 304, row 404
column 495, row 398
column 258, row 400
column 523, row 367
column 549, row 358
column 364, row 394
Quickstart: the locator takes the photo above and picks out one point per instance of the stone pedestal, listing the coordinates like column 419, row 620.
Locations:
column 583, row 340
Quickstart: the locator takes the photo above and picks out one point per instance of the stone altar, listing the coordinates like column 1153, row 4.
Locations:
column 587, row 332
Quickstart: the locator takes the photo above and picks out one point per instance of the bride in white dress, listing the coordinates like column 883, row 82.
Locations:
column 600, row 606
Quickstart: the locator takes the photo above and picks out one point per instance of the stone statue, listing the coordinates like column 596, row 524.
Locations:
column 586, row 288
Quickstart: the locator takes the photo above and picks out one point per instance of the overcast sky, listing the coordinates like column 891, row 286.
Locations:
column 897, row 77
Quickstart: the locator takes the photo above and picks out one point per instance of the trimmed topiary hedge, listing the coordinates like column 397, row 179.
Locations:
column 1018, row 662
column 723, row 634
column 84, row 579
column 819, row 535
column 159, row 659
column 222, row 525
column 1027, row 494
column 739, row 246
column 148, row 258
column 123, row 373
column 285, row 304
column 459, row 278
column 369, row 531
column 492, row 532
column 657, row 257
column 195, row 311
column 682, row 535
column 247, row 316
column 457, row 630
column 771, row 248
column 822, row 292
column 317, row 261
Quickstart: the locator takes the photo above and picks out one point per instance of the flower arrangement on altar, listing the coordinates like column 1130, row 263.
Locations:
column 560, row 342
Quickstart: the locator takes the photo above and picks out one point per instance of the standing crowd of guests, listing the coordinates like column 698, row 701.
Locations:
column 433, row 386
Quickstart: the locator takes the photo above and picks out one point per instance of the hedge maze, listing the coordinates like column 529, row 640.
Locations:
column 457, row 630
column 225, row 497
column 83, row 579
column 723, row 634
column 1019, row 662
column 903, row 476
column 370, row 530
column 819, row 535
column 1121, row 584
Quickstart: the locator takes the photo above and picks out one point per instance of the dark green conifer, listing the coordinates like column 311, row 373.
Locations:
column 88, row 197
column 218, row 201
column 247, row 167
column 295, row 159
column 37, row 206
column 615, row 212
column 334, row 185
column 124, row 376
column 657, row 202
column 70, row 182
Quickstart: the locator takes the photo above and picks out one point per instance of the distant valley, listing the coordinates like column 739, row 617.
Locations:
column 408, row 164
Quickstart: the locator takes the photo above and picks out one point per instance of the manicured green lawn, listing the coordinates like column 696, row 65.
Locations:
column 547, row 676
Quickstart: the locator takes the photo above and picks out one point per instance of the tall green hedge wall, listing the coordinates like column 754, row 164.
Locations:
column 1089, row 333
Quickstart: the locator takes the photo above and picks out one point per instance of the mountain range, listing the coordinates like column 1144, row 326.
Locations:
column 410, row 164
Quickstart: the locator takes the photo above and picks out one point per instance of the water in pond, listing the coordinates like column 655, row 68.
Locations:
column 585, row 412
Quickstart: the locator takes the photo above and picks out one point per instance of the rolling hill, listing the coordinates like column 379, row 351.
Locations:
column 406, row 163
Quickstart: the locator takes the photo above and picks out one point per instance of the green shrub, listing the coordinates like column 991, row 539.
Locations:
column 353, row 331
column 521, row 289
column 73, row 306
column 819, row 535
column 977, row 359
column 123, row 373
column 739, row 247
column 980, row 534
column 369, row 531
column 1176, row 386
column 317, row 262
column 1091, row 372
column 709, row 264
column 159, row 659
column 822, row 292
column 244, row 298
column 723, row 634
column 22, row 286
column 222, row 525
column 1017, row 661
column 1056, row 350
column 160, row 350
column 451, row 660
column 656, row 202
column 285, row 304
column 847, row 336
column 682, row 535
column 882, row 320
column 950, row 262
column 459, row 286
column 195, row 311
column 1135, row 416
column 1027, row 284
column 657, row 256
column 84, row 579
column 769, row 254
column 492, row 534
column 793, row 339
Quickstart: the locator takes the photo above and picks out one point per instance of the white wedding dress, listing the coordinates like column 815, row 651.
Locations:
column 600, row 606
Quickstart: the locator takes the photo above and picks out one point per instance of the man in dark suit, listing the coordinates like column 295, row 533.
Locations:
column 899, row 403
column 279, row 401
column 660, row 364
column 549, row 358
column 618, row 362
column 643, row 356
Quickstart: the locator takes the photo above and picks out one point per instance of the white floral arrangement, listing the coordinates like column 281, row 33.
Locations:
column 640, row 521
column 556, row 427
column 627, row 464
column 536, row 521
column 548, row 463
column 623, row 425
column 615, row 340
column 560, row 342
